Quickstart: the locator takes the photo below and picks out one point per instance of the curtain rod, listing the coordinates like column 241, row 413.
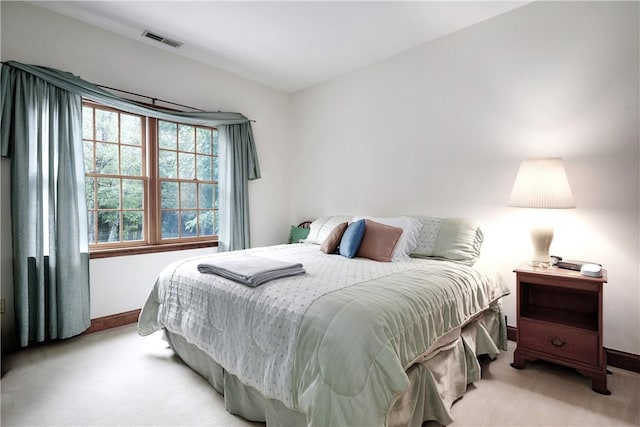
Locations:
column 153, row 100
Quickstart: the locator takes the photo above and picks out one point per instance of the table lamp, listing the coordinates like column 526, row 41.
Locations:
column 541, row 184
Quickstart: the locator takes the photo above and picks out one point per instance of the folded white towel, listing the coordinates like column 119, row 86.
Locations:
column 251, row 270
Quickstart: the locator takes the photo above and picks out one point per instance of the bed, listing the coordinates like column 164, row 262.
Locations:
column 352, row 341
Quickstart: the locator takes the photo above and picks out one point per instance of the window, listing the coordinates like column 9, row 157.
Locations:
column 148, row 181
column 187, row 173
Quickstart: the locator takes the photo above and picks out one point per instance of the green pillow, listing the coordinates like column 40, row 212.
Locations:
column 297, row 233
column 459, row 239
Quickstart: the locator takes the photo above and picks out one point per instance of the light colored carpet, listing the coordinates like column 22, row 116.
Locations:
column 116, row 378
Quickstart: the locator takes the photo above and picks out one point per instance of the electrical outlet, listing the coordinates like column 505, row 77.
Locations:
column 1, row 305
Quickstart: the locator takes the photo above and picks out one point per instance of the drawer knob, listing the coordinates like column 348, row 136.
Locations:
column 557, row 341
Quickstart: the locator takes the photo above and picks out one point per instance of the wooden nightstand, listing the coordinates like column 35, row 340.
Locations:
column 559, row 316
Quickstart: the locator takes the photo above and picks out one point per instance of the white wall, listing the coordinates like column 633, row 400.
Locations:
column 122, row 283
column 34, row 35
column 441, row 130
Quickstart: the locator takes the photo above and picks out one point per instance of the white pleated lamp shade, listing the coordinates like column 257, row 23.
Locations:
column 542, row 184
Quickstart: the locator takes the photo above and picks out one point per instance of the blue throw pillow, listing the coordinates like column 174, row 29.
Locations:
column 351, row 239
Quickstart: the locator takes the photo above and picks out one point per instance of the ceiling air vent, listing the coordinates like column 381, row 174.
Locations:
column 161, row 39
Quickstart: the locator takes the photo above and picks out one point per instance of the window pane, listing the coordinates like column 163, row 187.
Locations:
column 169, row 195
column 88, row 189
column 106, row 126
column 204, row 168
column 215, row 168
column 188, row 223
column 91, row 226
column 203, row 138
column 169, row 224
column 87, row 149
column 132, row 225
column 215, row 142
column 130, row 129
column 108, row 226
column 205, row 196
column 167, row 135
column 216, row 223
column 168, row 164
column 187, row 195
column 186, row 138
column 108, row 193
column 132, row 194
column 205, row 219
column 216, row 197
column 131, row 160
column 106, row 158
column 187, row 165
column 87, row 122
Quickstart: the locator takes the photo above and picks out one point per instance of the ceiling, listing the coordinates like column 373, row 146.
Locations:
column 287, row 45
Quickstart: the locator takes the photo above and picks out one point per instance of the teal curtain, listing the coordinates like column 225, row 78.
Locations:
column 49, row 220
column 40, row 129
column 239, row 164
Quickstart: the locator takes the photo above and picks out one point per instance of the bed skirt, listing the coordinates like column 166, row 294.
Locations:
column 435, row 382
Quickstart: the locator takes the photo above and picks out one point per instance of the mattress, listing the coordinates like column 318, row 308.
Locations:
column 293, row 340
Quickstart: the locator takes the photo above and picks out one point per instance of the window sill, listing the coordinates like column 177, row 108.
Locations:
column 149, row 249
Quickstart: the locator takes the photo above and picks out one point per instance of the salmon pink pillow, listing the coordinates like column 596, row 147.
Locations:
column 379, row 241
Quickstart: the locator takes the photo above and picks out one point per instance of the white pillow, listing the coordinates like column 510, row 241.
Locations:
column 408, row 240
column 320, row 229
column 428, row 235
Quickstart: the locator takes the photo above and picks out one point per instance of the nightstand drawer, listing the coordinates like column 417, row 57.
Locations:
column 559, row 341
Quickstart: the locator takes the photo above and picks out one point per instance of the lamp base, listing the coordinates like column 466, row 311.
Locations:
column 541, row 238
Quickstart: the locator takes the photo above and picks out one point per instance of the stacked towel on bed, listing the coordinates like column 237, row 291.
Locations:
column 251, row 270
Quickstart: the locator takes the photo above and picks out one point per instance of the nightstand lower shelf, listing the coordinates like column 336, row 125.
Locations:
column 565, row 346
